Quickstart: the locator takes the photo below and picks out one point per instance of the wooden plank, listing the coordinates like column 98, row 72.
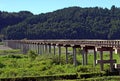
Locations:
column 106, row 61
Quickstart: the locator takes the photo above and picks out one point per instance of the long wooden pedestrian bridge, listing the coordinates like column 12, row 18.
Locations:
column 104, row 43
column 42, row 46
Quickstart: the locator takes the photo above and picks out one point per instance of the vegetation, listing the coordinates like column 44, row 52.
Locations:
column 5, row 52
column 67, row 23
column 23, row 67
column 32, row 55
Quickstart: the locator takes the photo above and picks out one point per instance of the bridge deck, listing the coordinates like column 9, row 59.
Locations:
column 97, row 43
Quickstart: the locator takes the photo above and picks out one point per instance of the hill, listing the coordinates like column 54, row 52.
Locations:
column 67, row 23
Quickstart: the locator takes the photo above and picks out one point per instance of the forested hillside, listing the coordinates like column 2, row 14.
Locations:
column 67, row 23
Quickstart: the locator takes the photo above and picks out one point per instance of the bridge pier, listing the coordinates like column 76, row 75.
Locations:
column 85, row 50
column 49, row 45
column 24, row 48
column 42, row 48
column 74, row 54
column 66, row 52
column 59, row 52
column 38, row 48
column 102, row 62
column 46, row 48
column 111, row 58
column 54, row 50
column 83, row 59
column 86, row 57
column 95, row 57
column 30, row 46
column 35, row 47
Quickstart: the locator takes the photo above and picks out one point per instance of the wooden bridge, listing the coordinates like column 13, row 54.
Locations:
column 42, row 46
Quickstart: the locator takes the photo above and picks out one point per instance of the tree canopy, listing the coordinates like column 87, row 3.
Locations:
column 67, row 23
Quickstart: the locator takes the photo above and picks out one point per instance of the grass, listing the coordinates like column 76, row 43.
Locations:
column 5, row 52
column 19, row 65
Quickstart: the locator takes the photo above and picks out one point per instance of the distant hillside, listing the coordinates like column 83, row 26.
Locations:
column 67, row 23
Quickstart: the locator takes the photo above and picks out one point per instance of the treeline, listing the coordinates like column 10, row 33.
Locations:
column 67, row 23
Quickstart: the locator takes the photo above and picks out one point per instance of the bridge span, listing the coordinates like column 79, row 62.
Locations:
column 42, row 46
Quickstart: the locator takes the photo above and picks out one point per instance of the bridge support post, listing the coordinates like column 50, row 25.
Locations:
column 27, row 47
column 74, row 56
column 59, row 52
column 49, row 48
column 20, row 47
column 95, row 57
column 66, row 54
column 38, row 48
column 101, row 58
column 86, row 57
column 46, row 48
column 42, row 47
column 54, row 49
column 83, row 59
column 111, row 58
column 24, row 48
column 30, row 46
column 110, row 61
column 33, row 47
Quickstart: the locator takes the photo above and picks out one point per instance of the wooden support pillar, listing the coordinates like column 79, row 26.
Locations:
column 30, row 46
column 44, row 51
column 49, row 49
column 101, row 58
column 59, row 52
column 95, row 57
column 110, row 61
column 35, row 47
column 46, row 48
column 15, row 45
column 86, row 57
column 74, row 56
column 111, row 58
column 83, row 59
column 38, row 48
column 42, row 48
column 54, row 49
column 66, row 55
column 24, row 48
column 66, row 51
column 20, row 44
column 27, row 47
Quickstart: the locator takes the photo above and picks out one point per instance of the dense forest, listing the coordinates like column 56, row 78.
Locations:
column 67, row 23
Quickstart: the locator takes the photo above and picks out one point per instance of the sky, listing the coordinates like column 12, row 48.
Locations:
column 44, row 6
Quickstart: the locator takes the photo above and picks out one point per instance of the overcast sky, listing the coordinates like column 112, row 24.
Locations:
column 43, row 6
